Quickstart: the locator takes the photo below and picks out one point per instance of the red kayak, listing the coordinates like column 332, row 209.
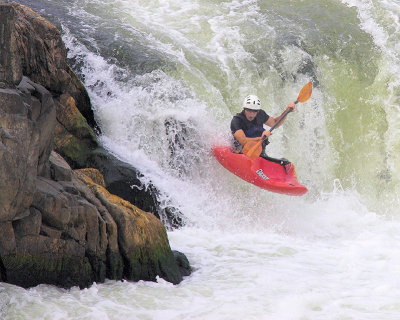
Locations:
column 269, row 175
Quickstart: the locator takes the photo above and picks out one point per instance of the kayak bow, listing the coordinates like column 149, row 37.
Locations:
column 263, row 173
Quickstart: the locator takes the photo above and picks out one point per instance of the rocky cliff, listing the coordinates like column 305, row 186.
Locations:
column 58, row 225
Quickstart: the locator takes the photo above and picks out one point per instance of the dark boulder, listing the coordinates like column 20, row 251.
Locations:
column 183, row 263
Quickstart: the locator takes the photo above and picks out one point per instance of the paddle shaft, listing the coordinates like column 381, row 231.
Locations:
column 280, row 120
column 283, row 117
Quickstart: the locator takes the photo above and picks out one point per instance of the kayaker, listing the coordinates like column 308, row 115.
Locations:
column 248, row 125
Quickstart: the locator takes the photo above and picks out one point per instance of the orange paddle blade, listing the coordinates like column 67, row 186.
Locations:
column 253, row 150
column 248, row 146
column 305, row 93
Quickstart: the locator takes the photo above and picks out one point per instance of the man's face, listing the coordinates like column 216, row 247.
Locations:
column 250, row 114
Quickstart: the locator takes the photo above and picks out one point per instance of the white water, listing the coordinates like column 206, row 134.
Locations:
column 333, row 254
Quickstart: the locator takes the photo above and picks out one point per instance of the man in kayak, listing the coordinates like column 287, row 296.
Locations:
column 248, row 125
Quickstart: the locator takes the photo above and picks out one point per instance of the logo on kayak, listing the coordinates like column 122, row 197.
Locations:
column 262, row 174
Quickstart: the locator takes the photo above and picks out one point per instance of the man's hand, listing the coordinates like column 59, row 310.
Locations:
column 266, row 133
column 292, row 106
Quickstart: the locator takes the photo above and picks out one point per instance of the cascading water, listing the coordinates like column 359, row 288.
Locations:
column 166, row 77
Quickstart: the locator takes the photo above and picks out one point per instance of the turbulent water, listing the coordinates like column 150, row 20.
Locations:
column 165, row 78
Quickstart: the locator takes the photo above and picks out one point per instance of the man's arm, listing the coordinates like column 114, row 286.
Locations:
column 271, row 121
column 241, row 137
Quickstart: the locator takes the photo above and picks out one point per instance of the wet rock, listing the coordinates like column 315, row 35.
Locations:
column 74, row 138
column 25, row 146
column 183, row 263
column 29, row 225
column 59, row 226
column 40, row 54
column 59, row 168
column 124, row 181
column 141, row 236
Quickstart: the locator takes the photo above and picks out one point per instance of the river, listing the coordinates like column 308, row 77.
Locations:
column 165, row 78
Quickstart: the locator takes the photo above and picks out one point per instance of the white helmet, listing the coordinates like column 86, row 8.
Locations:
column 252, row 102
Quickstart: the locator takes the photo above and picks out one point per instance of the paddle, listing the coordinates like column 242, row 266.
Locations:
column 253, row 149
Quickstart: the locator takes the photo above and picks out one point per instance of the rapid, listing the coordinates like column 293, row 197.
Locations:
column 165, row 78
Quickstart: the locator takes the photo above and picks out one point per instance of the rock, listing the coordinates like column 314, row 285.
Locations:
column 44, row 114
column 53, row 203
column 56, row 229
column 10, row 68
column 24, row 147
column 59, row 168
column 94, row 175
column 50, row 232
column 59, row 226
column 7, row 239
column 29, row 225
column 41, row 259
column 37, row 52
column 183, row 263
column 74, row 138
column 64, row 241
column 141, row 236
column 124, row 181
column 40, row 54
